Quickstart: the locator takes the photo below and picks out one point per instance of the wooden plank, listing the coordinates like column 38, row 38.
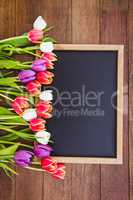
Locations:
column 91, row 47
column 85, row 21
column 7, row 187
column 7, row 29
column 130, row 39
column 29, row 184
column 85, row 30
column 114, row 179
column 7, row 18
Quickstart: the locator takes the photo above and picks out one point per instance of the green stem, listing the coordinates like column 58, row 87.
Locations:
column 27, row 62
column 33, row 54
column 12, row 38
column 6, row 156
column 10, row 92
column 35, row 163
column 20, row 144
column 25, row 66
column 51, row 141
column 6, row 97
column 31, row 48
column 35, row 169
column 11, row 123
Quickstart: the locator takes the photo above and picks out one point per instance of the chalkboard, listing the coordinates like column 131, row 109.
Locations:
column 88, row 104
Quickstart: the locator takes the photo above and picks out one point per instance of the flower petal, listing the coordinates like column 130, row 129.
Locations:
column 46, row 47
column 46, row 95
column 39, row 23
column 29, row 114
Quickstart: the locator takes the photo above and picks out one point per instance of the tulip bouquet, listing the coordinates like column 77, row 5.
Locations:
column 25, row 104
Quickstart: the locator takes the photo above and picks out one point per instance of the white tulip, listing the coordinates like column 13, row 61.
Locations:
column 46, row 95
column 39, row 23
column 42, row 137
column 46, row 47
column 29, row 114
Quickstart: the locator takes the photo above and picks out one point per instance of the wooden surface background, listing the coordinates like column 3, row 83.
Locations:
column 84, row 22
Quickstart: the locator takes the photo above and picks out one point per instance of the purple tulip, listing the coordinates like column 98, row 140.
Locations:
column 39, row 65
column 42, row 151
column 26, row 76
column 23, row 158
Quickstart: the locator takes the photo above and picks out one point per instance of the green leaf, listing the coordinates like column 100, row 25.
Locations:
column 10, row 81
column 49, row 39
column 2, row 146
column 10, row 117
column 5, row 166
column 11, row 92
column 5, row 111
column 19, row 133
column 9, row 150
column 18, row 41
column 48, row 28
column 4, row 117
column 7, row 173
column 9, row 137
column 12, row 64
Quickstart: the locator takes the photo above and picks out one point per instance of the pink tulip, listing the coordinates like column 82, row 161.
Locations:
column 35, row 35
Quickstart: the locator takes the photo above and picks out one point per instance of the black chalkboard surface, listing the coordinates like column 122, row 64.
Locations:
column 85, row 100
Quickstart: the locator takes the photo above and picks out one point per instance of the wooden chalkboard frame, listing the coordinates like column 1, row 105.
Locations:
column 120, row 63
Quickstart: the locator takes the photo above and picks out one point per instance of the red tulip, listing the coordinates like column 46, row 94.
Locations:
column 49, row 165
column 33, row 87
column 49, row 56
column 44, row 109
column 35, row 35
column 60, row 171
column 45, row 77
column 19, row 104
column 37, row 124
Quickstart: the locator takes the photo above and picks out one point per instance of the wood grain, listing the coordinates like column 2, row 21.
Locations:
column 7, row 18
column 29, row 184
column 85, row 21
column 130, row 39
column 85, row 29
column 114, row 179
column 7, row 29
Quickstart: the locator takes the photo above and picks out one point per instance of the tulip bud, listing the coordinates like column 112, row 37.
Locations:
column 39, row 65
column 46, row 95
column 45, row 77
column 44, row 109
column 35, row 36
column 39, row 23
column 49, row 56
column 49, row 165
column 33, row 87
column 60, row 171
column 29, row 114
column 46, row 47
column 37, row 124
column 42, row 151
column 23, row 158
column 19, row 104
column 42, row 137
column 26, row 76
